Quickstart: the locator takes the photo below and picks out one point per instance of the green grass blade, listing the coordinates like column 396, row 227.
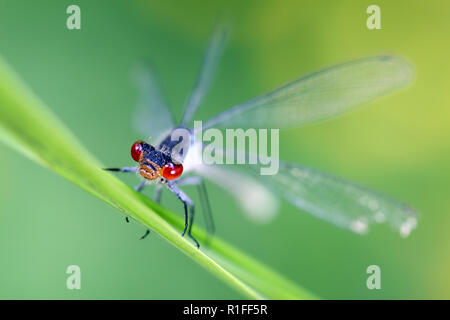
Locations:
column 29, row 126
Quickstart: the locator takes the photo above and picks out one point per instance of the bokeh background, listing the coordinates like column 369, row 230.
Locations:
column 398, row 145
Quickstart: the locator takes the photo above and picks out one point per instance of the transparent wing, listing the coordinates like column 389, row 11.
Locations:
column 335, row 200
column 151, row 116
column 340, row 202
column 207, row 71
column 319, row 96
column 257, row 201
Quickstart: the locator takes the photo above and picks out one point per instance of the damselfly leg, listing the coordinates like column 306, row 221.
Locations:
column 141, row 186
column 188, row 204
column 147, row 232
column 206, row 206
column 158, row 193
column 189, row 210
column 138, row 188
column 123, row 169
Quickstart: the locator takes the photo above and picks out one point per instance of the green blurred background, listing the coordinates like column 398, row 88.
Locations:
column 398, row 145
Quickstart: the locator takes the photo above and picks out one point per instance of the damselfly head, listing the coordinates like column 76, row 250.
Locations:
column 154, row 163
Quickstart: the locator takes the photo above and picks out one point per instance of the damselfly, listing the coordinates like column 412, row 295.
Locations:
column 319, row 96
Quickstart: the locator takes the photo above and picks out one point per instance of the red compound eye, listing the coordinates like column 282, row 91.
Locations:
column 172, row 171
column 136, row 150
